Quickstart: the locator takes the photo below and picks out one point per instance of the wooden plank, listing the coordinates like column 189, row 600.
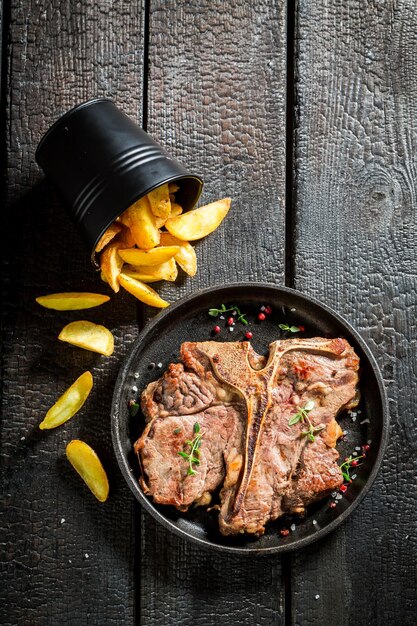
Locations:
column 216, row 94
column 66, row 558
column 355, row 219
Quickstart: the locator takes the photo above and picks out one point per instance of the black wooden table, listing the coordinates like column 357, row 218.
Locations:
column 307, row 117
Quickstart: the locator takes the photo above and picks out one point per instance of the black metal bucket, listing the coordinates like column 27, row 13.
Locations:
column 101, row 162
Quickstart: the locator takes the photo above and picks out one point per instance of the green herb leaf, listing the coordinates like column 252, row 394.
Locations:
column 291, row 329
column 213, row 312
column 133, row 408
column 196, row 427
column 295, row 418
column 241, row 317
column 177, row 431
column 193, row 455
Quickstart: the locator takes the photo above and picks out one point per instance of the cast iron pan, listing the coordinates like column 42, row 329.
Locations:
column 188, row 320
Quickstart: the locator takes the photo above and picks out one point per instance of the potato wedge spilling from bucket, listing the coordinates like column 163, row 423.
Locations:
column 72, row 301
column 69, row 403
column 89, row 336
column 156, row 256
column 113, row 230
column 111, row 265
column 142, row 292
column 152, row 273
column 185, row 257
column 87, row 464
column 199, row 222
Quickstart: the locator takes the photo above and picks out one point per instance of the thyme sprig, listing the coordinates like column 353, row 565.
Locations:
column 241, row 317
column 347, row 466
column 302, row 416
column 291, row 329
column 193, row 455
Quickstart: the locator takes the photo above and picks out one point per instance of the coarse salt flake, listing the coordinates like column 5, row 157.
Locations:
column 315, row 522
column 159, row 365
column 354, row 454
column 339, row 496
column 87, row 556
column 369, row 442
column 22, row 438
column 231, row 329
column 333, row 494
column 136, row 374
column 293, row 310
column 222, row 317
column 317, row 596
column 134, row 388
column 357, row 448
column 353, row 476
column 292, row 527
column 365, row 421
column 62, row 520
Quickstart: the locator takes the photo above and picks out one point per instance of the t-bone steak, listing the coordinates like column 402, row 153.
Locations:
column 260, row 466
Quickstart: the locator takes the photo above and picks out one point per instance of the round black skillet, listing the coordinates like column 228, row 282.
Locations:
column 188, row 320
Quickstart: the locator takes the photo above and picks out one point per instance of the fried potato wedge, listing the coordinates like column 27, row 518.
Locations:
column 186, row 257
column 155, row 256
column 125, row 238
column 69, row 403
column 72, row 301
column 160, row 202
column 199, row 222
column 89, row 336
column 173, row 187
column 141, row 222
column 142, row 292
column 176, row 209
column 153, row 273
column 111, row 265
column 87, row 464
column 110, row 234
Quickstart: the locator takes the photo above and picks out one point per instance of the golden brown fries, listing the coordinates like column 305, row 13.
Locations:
column 89, row 336
column 69, row 403
column 110, row 234
column 72, row 301
column 156, row 256
column 87, row 464
column 199, row 222
column 152, row 273
column 142, row 292
column 152, row 254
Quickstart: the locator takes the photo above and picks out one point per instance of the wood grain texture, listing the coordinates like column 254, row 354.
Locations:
column 355, row 219
column 65, row 558
column 216, row 100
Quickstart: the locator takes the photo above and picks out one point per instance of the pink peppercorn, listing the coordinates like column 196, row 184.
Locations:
column 284, row 532
column 268, row 310
column 261, row 317
column 216, row 330
column 230, row 321
column 343, row 488
column 248, row 335
column 332, row 505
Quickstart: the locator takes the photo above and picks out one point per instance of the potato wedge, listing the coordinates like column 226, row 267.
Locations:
column 199, row 222
column 156, row 256
column 72, row 301
column 69, row 403
column 142, row 292
column 142, row 225
column 110, row 234
column 89, row 336
column 87, row 464
column 176, row 209
column 160, row 202
column 153, row 273
column 186, row 257
column 125, row 238
column 111, row 265
column 173, row 187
